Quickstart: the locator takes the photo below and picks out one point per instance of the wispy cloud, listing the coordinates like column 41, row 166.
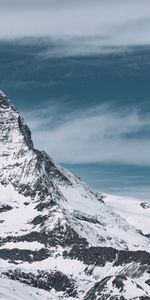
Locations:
column 95, row 135
column 78, row 27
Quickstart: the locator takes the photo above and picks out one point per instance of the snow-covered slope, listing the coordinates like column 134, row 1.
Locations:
column 55, row 232
column 117, row 287
column 13, row 290
column 135, row 211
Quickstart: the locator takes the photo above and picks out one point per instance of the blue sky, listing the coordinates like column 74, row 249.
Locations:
column 82, row 80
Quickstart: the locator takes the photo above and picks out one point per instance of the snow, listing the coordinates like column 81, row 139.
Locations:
column 131, row 210
column 129, row 291
column 33, row 246
column 100, row 224
column 78, row 199
column 13, row 290
column 109, row 227
column 18, row 218
column 70, row 267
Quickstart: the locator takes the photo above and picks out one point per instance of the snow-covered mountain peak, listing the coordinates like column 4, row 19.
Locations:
column 64, row 200
column 55, row 232
column 13, row 128
column 15, row 144
column 5, row 103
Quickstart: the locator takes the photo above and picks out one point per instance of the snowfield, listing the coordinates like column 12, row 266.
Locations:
column 135, row 211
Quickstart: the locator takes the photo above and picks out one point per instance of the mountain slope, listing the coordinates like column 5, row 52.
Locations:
column 13, row 290
column 55, row 232
column 135, row 211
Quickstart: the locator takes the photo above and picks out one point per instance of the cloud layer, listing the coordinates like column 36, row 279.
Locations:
column 95, row 135
column 78, row 27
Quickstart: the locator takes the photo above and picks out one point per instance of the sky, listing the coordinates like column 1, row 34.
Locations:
column 79, row 72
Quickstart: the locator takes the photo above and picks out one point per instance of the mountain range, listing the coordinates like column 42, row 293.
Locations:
column 59, row 239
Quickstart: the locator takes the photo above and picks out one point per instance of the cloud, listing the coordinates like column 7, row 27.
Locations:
column 141, row 192
column 78, row 27
column 95, row 135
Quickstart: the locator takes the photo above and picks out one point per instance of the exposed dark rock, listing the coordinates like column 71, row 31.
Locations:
column 102, row 291
column 24, row 255
column 100, row 255
column 86, row 218
column 25, row 132
column 4, row 208
column 26, row 203
column 45, row 205
column 145, row 205
column 125, row 257
column 100, row 197
column 118, row 282
column 92, row 255
column 96, row 293
column 46, row 281
column 148, row 282
column 4, row 102
column 39, row 220
column 59, row 236
column 51, row 170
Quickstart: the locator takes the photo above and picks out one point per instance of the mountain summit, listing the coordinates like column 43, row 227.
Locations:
column 4, row 102
column 56, row 233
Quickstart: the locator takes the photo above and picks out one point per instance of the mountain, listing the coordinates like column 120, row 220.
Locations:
column 57, row 234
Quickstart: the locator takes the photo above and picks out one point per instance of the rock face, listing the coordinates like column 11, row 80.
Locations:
column 56, row 233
